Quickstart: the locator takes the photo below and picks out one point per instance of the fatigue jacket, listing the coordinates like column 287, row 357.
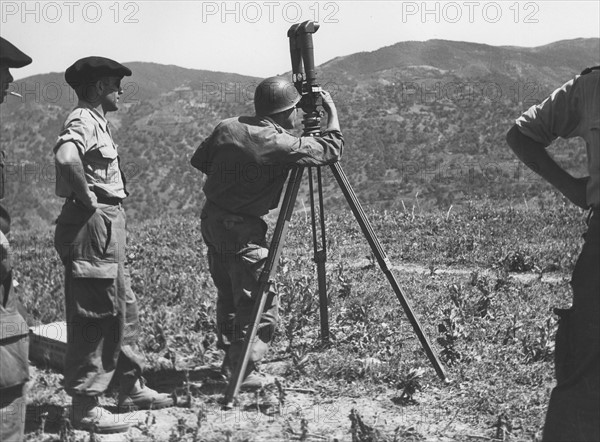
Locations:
column 247, row 160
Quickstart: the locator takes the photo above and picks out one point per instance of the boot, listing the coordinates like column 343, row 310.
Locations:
column 254, row 378
column 141, row 397
column 88, row 415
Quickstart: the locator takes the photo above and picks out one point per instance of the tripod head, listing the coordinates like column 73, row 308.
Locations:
column 304, row 75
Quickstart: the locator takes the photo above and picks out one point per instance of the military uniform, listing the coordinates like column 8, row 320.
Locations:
column 14, row 344
column 573, row 414
column 90, row 238
column 101, row 308
column 246, row 161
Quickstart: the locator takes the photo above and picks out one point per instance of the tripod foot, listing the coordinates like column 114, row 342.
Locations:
column 227, row 406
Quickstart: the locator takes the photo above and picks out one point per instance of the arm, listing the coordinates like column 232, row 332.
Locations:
column 197, row 161
column 70, row 167
column 324, row 149
column 200, row 158
column 332, row 115
column 535, row 156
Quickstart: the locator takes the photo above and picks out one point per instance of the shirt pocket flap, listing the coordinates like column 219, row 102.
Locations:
column 95, row 269
column 107, row 151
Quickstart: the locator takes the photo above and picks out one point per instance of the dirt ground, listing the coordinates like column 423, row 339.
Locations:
column 303, row 413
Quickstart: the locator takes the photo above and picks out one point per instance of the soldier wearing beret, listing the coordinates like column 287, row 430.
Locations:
column 90, row 238
column 14, row 345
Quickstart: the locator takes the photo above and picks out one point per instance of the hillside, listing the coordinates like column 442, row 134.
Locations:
column 424, row 123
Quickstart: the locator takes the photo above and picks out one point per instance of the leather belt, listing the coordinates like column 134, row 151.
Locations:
column 112, row 201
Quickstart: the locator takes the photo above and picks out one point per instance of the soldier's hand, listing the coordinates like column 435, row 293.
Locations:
column 328, row 103
column 333, row 122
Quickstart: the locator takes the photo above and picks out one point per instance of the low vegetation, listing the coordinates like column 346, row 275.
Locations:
column 483, row 282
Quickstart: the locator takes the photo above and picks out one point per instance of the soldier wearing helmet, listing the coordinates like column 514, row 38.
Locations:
column 246, row 161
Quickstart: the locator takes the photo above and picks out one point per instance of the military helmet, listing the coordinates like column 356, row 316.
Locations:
column 274, row 95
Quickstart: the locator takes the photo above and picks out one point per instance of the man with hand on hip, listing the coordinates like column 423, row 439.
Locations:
column 90, row 238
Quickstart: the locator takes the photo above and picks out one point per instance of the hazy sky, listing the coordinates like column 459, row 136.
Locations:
column 250, row 37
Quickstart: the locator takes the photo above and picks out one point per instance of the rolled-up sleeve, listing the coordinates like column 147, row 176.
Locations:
column 78, row 131
column 557, row 116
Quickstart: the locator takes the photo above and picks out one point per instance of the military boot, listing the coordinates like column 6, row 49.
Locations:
column 142, row 397
column 254, row 379
column 88, row 415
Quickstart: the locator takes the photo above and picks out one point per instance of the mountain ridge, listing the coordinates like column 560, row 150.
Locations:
column 413, row 114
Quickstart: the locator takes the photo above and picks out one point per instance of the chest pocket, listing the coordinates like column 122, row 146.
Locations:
column 107, row 152
column 102, row 160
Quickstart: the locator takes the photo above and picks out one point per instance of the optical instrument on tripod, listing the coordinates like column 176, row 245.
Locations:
column 305, row 81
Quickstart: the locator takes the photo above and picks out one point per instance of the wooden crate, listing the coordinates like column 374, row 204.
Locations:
column 48, row 344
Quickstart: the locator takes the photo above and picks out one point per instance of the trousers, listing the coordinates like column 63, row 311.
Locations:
column 574, row 408
column 14, row 345
column 237, row 252
column 101, row 308
column 12, row 414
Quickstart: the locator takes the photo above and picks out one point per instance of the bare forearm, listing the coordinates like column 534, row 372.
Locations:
column 73, row 174
column 333, row 122
column 70, row 168
column 535, row 156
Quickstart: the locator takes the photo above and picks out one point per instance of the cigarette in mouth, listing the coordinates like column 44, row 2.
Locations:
column 15, row 94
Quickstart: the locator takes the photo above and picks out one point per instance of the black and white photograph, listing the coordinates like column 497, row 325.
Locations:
column 248, row 221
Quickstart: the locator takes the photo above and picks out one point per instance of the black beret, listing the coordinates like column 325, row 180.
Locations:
column 92, row 68
column 11, row 56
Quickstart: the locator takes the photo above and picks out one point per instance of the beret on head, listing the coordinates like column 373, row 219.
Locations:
column 92, row 68
column 11, row 56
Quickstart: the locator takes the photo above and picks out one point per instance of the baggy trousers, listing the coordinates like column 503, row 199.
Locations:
column 237, row 253
column 101, row 308
column 12, row 412
column 14, row 346
column 574, row 409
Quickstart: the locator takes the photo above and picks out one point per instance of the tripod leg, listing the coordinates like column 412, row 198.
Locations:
column 320, row 252
column 277, row 241
column 383, row 261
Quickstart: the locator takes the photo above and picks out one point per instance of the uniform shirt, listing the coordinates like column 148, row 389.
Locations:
column 247, row 160
column 572, row 110
column 89, row 130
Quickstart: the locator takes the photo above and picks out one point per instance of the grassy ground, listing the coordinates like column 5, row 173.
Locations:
column 483, row 282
